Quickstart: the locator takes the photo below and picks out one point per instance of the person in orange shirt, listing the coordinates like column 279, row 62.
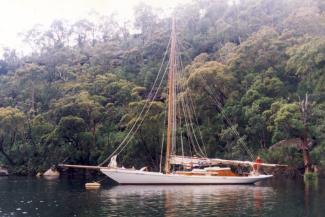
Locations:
column 256, row 166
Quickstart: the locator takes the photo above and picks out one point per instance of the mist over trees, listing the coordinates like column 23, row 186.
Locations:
column 75, row 96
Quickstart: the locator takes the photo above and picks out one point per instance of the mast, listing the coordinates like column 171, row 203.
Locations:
column 171, row 127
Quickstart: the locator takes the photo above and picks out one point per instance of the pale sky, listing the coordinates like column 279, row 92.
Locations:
column 21, row 15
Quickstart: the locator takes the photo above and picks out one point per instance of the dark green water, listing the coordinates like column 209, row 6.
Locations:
column 65, row 198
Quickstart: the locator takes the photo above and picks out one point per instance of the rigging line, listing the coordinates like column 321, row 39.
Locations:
column 245, row 148
column 174, row 110
column 191, row 152
column 182, row 142
column 185, row 117
column 178, row 85
column 146, row 112
column 143, row 108
column 189, row 131
column 197, row 123
column 131, row 137
column 191, row 141
column 179, row 115
column 192, row 125
column 194, row 134
column 208, row 88
column 187, row 126
column 192, row 128
column 177, row 92
column 229, row 124
column 236, row 133
column 163, row 140
column 161, row 151
column 131, row 134
column 174, row 132
column 195, row 116
column 189, row 138
column 176, row 113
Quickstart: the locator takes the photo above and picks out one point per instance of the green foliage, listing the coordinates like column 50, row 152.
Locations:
column 285, row 120
column 307, row 61
column 284, row 155
column 11, row 132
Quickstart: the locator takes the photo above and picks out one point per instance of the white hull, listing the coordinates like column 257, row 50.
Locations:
column 136, row 177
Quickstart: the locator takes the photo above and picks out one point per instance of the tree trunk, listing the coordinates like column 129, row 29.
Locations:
column 306, row 156
column 307, row 161
column 305, row 109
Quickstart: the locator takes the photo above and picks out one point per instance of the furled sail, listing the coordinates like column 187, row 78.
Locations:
column 203, row 162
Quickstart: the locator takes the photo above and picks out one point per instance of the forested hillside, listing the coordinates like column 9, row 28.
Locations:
column 76, row 95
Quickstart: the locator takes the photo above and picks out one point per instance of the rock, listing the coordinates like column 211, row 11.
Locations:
column 39, row 174
column 52, row 173
column 3, row 172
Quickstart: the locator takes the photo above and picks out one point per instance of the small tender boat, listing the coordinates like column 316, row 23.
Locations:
column 92, row 185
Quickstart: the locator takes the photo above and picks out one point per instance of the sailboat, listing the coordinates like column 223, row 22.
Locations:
column 209, row 172
column 195, row 169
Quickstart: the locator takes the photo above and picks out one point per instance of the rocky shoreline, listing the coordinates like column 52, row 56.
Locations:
column 3, row 172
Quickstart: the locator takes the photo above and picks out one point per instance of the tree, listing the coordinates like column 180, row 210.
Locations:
column 84, row 32
column 290, row 120
column 146, row 143
column 11, row 131
column 307, row 62
column 210, row 78
column 145, row 20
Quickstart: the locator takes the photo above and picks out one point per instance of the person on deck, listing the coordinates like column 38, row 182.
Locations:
column 256, row 166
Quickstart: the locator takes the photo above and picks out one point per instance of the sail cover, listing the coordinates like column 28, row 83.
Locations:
column 204, row 162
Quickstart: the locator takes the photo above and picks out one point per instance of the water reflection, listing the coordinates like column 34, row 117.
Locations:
column 191, row 200
column 310, row 186
column 21, row 197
